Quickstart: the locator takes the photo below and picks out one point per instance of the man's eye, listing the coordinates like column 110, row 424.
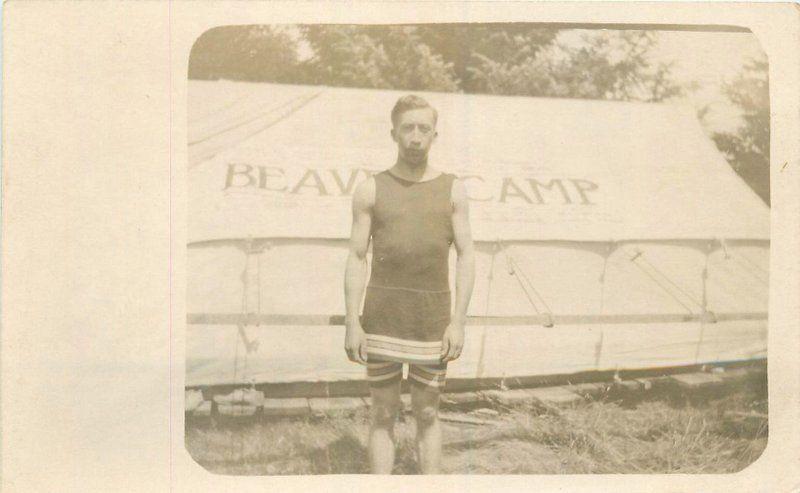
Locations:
column 424, row 129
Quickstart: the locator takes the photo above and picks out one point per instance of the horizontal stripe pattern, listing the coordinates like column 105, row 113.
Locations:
column 382, row 347
column 404, row 342
column 386, row 354
column 380, row 371
column 427, row 375
column 431, row 375
column 404, row 349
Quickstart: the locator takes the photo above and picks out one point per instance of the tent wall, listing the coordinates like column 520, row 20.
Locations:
column 272, row 169
column 628, row 305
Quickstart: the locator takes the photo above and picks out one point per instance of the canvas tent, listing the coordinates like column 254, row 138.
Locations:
column 609, row 235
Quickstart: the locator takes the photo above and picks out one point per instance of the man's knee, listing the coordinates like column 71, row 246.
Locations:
column 426, row 415
column 384, row 410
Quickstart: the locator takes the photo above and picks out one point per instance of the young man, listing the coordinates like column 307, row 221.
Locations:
column 412, row 212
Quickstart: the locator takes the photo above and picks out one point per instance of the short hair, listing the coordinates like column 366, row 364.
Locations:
column 411, row 102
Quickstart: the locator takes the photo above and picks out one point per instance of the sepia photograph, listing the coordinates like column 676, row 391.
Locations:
column 477, row 248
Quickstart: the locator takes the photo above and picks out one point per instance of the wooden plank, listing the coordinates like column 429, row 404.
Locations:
column 732, row 374
column 296, row 406
column 462, row 398
column 695, row 380
column 511, row 396
column 203, row 410
column 462, row 418
column 591, row 389
column 241, row 396
column 236, row 409
column 192, row 399
column 282, row 390
column 323, row 405
column 628, row 385
column 359, row 388
column 555, row 396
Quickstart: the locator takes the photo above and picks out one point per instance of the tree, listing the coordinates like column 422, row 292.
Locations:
column 375, row 57
column 465, row 45
column 747, row 148
column 508, row 59
column 606, row 65
column 252, row 53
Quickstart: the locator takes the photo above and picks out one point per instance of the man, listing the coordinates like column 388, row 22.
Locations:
column 412, row 212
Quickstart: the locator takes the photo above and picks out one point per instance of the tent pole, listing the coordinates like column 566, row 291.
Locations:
column 489, row 278
column 599, row 346
column 706, row 315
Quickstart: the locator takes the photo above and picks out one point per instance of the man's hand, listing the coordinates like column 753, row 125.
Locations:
column 453, row 341
column 355, row 343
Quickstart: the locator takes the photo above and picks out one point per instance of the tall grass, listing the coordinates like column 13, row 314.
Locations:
column 660, row 435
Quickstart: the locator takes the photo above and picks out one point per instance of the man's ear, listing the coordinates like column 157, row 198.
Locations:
column 391, row 132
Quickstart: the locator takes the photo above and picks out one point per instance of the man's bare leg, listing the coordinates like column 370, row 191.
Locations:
column 383, row 414
column 425, row 403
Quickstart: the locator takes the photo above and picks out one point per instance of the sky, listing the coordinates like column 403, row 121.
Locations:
column 709, row 59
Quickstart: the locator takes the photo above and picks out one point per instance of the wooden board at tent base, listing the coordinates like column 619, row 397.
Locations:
column 359, row 388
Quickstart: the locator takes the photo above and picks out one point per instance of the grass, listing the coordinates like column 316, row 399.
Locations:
column 663, row 433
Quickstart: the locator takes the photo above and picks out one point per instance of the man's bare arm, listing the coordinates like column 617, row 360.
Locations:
column 465, row 271
column 356, row 270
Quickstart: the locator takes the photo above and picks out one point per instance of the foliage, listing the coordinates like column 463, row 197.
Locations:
column 606, row 65
column 376, row 57
column 747, row 149
column 250, row 53
column 465, row 45
column 509, row 59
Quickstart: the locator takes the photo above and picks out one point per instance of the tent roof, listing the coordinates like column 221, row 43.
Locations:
column 261, row 156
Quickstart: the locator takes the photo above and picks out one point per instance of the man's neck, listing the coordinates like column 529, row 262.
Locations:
column 412, row 171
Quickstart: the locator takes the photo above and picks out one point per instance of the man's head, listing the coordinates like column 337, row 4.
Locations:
column 414, row 128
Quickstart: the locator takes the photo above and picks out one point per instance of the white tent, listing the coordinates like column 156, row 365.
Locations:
column 610, row 235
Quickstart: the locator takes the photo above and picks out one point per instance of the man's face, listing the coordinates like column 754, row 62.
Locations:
column 414, row 133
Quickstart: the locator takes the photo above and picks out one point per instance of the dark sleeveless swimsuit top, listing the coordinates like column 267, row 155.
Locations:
column 408, row 295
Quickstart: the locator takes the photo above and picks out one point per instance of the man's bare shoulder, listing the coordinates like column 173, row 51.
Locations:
column 458, row 192
column 364, row 194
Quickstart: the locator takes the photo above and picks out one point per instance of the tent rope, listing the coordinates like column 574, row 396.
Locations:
column 516, row 270
column 733, row 289
column 303, row 101
column 219, row 109
column 688, row 296
column 750, row 266
column 634, row 258
column 524, row 289
column 238, row 124
column 737, row 273
column 489, row 279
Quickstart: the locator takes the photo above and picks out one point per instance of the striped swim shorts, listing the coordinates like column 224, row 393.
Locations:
column 385, row 372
